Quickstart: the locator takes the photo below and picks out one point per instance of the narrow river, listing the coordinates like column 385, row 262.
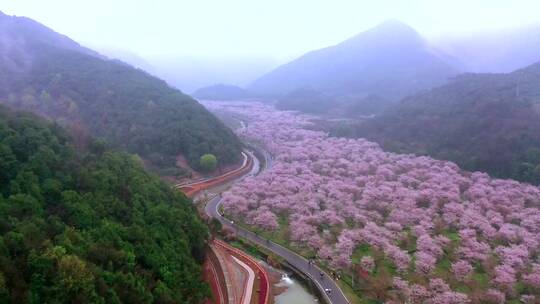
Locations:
column 295, row 292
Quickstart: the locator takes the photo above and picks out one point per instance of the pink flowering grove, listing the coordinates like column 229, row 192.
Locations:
column 443, row 235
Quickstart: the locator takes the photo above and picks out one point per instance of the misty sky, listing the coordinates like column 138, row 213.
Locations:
column 275, row 28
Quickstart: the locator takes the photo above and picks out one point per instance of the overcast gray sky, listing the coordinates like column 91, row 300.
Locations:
column 276, row 28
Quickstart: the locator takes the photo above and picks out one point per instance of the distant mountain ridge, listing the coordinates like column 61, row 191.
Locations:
column 391, row 60
column 50, row 74
column 222, row 92
column 500, row 51
column 189, row 73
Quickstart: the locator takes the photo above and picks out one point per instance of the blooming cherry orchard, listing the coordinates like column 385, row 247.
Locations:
column 445, row 235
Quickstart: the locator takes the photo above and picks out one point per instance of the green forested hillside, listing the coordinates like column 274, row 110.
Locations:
column 105, row 98
column 486, row 122
column 89, row 226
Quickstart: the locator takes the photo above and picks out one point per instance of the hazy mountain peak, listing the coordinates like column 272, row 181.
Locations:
column 391, row 33
column 391, row 60
column 394, row 25
column 17, row 32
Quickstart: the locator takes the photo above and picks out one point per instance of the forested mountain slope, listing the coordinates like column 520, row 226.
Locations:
column 391, row 60
column 89, row 226
column 486, row 122
column 47, row 73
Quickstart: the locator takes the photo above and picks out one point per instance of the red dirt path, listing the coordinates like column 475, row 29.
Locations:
column 190, row 190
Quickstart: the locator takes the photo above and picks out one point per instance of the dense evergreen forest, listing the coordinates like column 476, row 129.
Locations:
column 131, row 109
column 485, row 122
column 89, row 226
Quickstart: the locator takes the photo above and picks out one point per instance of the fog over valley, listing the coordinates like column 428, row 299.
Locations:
column 196, row 44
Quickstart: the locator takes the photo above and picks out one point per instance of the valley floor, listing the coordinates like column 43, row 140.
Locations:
column 393, row 227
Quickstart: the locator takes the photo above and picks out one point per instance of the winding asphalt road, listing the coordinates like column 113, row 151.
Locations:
column 320, row 278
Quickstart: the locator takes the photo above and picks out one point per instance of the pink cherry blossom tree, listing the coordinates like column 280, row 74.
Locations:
column 461, row 269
